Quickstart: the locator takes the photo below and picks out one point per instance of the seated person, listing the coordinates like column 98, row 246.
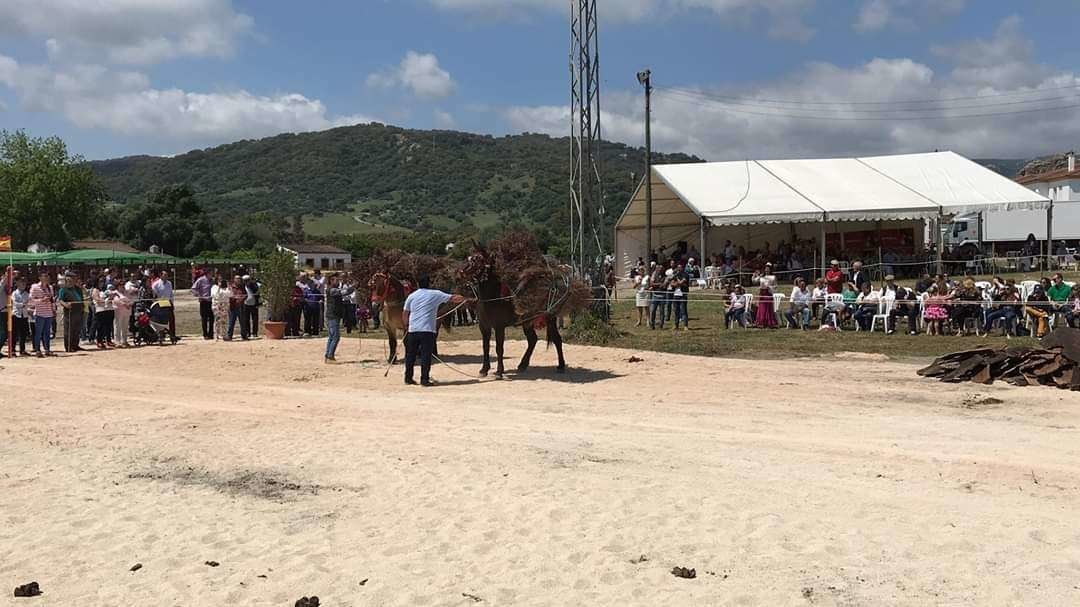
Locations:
column 1006, row 308
column 866, row 306
column 736, row 307
column 799, row 307
column 907, row 305
column 967, row 304
column 1038, row 308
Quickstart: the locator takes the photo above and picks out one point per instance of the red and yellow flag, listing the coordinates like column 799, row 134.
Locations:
column 5, row 243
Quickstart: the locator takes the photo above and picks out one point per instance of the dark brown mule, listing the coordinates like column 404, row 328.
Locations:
column 495, row 312
column 390, row 294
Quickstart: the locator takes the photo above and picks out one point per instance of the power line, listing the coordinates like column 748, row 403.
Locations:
column 799, row 102
column 754, row 104
column 729, row 108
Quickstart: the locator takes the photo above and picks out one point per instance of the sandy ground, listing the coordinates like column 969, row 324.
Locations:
column 831, row 482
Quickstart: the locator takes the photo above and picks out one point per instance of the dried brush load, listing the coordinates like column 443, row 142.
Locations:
column 549, row 289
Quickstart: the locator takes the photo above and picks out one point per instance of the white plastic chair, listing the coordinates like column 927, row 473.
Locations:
column 885, row 305
column 984, row 285
column 778, row 303
column 1027, row 287
column 832, row 302
column 748, row 300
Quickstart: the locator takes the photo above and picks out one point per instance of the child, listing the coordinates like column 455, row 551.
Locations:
column 935, row 313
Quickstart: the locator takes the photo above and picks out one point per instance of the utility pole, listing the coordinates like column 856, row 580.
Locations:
column 645, row 78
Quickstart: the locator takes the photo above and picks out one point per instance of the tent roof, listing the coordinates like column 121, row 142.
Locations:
column 909, row 186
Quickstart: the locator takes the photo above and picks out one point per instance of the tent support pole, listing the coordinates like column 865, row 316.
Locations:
column 823, row 262
column 1050, row 234
column 704, row 253
column 937, row 241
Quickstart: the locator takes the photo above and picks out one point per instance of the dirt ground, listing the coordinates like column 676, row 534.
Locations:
column 839, row 481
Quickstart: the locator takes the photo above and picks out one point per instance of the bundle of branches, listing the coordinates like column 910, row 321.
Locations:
column 549, row 289
column 411, row 267
column 515, row 252
column 378, row 261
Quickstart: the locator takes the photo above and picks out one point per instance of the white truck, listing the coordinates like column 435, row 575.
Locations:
column 1001, row 229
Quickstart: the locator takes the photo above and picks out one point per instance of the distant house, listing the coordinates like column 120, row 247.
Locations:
column 317, row 256
column 102, row 245
column 1061, row 183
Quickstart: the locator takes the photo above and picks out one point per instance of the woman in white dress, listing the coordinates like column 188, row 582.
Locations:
column 641, row 297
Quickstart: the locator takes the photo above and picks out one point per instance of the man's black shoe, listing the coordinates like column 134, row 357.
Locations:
column 409, row 382
column 429, row 383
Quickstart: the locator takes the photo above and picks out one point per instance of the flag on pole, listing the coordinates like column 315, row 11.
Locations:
column 5, row 243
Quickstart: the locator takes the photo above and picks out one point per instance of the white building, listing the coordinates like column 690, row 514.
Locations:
column 317, row 256
column 1061, row 185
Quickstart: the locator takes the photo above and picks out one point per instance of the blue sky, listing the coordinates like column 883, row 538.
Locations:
column 119, row 77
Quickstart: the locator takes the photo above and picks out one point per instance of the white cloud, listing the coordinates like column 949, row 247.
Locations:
column 723, row 131
column 418, row 72
column 127, row 31
column 95, row 97
column 876, row 15
column 444, row 120
column 785, row 16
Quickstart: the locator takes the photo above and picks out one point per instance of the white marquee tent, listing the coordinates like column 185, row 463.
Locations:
column 703, row 202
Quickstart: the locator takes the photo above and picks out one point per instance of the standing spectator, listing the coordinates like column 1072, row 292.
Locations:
column 736, row 311
column 680, row 284
column 292, row 314
column 5, row 294
column 934, row 312
column 43, row 308
column 251, row 305
column 312, row 307
column 765, row 316
column 163, row 289
column 834, row 278
column 641, row 297
column 73, row 299
column 20, row 314
column 320, row 286
column 799, row 306
column 657, row 295
column 219, row 301
column 335, row 308
column 104, row 313
column 133, row 291
column 122, row 305
column 859, row 277
column 201, row 289
column 350, row 306
column 236, row 308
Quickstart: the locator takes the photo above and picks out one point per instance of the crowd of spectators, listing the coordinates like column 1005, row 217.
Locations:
column 851, row 298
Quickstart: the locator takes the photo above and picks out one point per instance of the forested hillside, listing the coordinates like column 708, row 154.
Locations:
column 364, row 177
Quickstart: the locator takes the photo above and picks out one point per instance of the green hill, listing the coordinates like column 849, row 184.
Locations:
column 375, row 178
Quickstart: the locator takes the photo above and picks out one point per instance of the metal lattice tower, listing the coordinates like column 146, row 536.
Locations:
column 586, row 188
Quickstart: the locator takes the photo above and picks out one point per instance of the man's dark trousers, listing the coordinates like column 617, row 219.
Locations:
column 422, row 343
column 73, row 322
column 206, row 313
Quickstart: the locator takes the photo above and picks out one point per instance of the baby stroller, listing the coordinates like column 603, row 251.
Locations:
column 152, row 325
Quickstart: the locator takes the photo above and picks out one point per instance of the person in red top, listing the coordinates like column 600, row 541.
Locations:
column 43, row 307
column 834, row 278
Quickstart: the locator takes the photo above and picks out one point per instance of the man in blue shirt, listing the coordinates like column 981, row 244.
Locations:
column 421, row 318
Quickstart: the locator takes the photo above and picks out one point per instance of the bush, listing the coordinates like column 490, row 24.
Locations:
column 589, row 329
column 277, row 275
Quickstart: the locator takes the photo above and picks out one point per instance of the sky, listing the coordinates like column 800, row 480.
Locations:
column 734, row 78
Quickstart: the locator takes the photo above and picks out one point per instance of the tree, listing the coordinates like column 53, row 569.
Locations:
column 46, row 195
column 171, row 218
